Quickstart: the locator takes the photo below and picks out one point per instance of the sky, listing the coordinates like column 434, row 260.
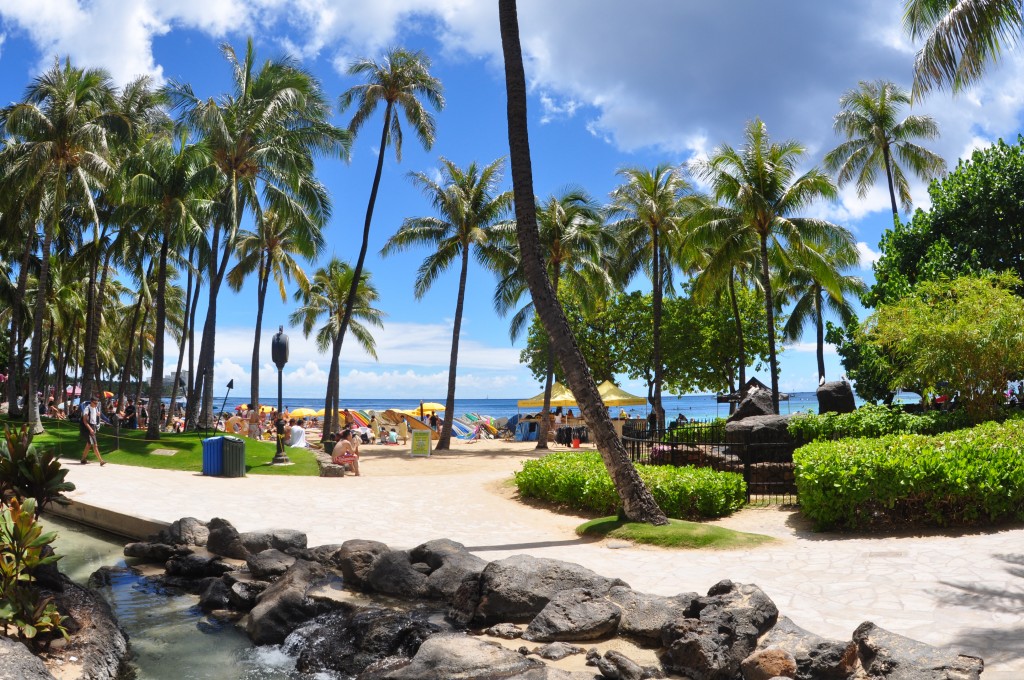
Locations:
column 611, row 85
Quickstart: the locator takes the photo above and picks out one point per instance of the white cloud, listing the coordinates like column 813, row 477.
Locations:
column 867, row 256
column 556, row 108
column 810, row 347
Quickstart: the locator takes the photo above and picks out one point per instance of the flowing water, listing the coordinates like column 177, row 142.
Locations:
column 170, row 637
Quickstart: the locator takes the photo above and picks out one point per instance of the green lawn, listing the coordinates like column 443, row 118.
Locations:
column 188, row 447
column 676, row 534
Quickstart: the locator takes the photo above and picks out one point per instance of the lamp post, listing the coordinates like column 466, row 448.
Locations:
column 279, row 353
column 231, row 386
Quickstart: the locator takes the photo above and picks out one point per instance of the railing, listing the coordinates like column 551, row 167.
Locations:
column 766, row 465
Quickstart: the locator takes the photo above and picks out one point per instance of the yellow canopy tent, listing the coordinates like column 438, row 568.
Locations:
column 560, row 396
column 616, row 396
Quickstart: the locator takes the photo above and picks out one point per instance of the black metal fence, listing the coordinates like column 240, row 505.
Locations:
column 766, row 465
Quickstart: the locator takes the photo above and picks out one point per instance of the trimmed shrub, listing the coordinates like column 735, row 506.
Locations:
column 580, row 481
column 874, row 421
column 967, row 477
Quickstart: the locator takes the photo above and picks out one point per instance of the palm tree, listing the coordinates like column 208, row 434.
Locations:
column 815, row 282
column 575, row 243
column 327, row 296
column 757, row 192
column 268, row 251
column 401, row 80
column 875, row 140
column 963, row 37
column 263, row 138
column 60, row 132
column 171, row 184
column 651, row 207
column 468, row 207
column 637, row 502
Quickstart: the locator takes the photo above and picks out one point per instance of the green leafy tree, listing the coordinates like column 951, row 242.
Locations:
column 402, row 82
column 593, row 334
column 868, row 366
column 468, row 207
column 940, row 337
column 877, row 140
column 961, row 38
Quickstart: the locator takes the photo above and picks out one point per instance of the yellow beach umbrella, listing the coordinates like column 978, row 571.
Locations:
column 322, row 412
column 304, row 412
column 560, row 396
column 429, row 406
column 264, row 408
column 616, row 396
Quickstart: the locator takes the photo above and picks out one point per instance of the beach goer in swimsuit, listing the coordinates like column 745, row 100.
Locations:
column 254, row 423
column 345, row 452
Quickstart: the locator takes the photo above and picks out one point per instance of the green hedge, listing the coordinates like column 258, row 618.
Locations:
column 874, row 421
column 580, row 481
column 968, row 477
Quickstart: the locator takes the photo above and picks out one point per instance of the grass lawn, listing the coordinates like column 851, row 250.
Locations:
column 676, row 534
column 188, row 447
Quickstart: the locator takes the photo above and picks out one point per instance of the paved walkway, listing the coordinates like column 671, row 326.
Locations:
column 964, row 590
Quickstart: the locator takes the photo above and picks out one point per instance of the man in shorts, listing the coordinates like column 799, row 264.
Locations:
column 87, row 428
column 254, row 422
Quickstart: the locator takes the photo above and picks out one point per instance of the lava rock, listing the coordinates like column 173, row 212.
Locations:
column 768, row 429
column 224, row 540
column 98, row 641
column 893, row 657
column 556, row 651
column 17, row 662
column 817, row 658
column 572, row 615
column 196, row 565
column 186, row 531
column 393, row 574
column 284, row 605
column 324, row 554
column 617, row 666
column 154, row 552
column 243, row 594
column 643, row 616
column 508, row 631
column 758, row 402
column 355, row 558
column 836, row 397
column 269, row 564
column 449, row 563
column 768, row 663
column 215, row 595
column 443, row 657
column 285, row 540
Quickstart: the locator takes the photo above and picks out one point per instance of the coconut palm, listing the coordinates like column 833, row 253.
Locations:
column 637, row 502
column 575, row 242
column 468, row 207
column 60, row 133
column 877, row 139
column 401, row 81
column 327, row 296
column 961, row 38
column 651, row 206
column 758, row 193
column 268, row 252
column 815, row 283
column 263, row 138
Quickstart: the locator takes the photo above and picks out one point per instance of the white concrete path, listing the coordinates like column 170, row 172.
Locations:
column 961, row 590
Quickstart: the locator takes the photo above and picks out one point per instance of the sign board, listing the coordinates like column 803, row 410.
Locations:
column 421, row 443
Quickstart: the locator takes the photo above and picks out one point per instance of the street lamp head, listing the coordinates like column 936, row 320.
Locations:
column 231, row 384
column 279, row 348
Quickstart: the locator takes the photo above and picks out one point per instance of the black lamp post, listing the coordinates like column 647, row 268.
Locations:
column 279, row 353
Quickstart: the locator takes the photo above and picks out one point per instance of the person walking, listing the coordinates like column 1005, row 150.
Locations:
column 90, row 424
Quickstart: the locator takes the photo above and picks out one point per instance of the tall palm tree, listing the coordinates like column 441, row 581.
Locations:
column 468, row 207
column 263, row 138
column 171, row 184
column 60, row 130
column 637, row 502
column 877, row 139
column 961, row 38
column 814, row 283
column 268, row 252
column 651, row 207
column 401, row 81
column 327, row 296
column 758, row 194
column 575, row 243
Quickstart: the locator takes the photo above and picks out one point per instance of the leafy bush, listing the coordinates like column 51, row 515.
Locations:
column 967, row 477
column 874, row 421
column 696, row 432
column 580, row 481
column 26, row 472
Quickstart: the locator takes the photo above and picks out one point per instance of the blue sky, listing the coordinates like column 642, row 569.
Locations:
column 613, row 84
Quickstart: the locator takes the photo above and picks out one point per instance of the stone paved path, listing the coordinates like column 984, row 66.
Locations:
column 966, row 590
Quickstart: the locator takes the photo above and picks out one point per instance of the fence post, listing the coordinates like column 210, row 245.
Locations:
column 746, row 467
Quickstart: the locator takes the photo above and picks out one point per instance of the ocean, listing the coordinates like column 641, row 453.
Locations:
column 694, row 407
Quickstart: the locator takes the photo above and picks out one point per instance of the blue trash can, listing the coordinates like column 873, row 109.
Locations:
column 213, row 456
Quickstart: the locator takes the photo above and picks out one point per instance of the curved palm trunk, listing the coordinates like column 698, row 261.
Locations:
column 656, row 354
column 186, row 332
column 549, row 375
column 331, row 401
column 739, row 333
column 819, row 328
column 261, row 298
column 190, row 388
column 444, row 443
column 888, row 177
column 17, row 334
column 637, row 502
column 769, row 308
column 34, row 421
column 357, row 273
column 156, row 379
column 122, row 384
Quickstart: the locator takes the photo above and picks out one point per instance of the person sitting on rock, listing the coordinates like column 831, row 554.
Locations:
column 345, row 453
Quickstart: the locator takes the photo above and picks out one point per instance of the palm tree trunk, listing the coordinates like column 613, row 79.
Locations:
column 34, row 421
column 142, row 355
column 769, row 307
column 190, row 388
column 656, row 353
column 261, row 298
column 739, row 329
column 819, row 328
column 444, row 443
column 637, row 502
column 357, row 273
column 186, row 335
column 549, row 374
column 331, row 400
column 17, row 336
column 892, row 190
column 156, row 378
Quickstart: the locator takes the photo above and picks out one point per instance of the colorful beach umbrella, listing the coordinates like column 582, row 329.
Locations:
column 431, row 406
column 304, row 412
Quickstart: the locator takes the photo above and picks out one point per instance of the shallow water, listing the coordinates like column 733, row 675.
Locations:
column 170, row 637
